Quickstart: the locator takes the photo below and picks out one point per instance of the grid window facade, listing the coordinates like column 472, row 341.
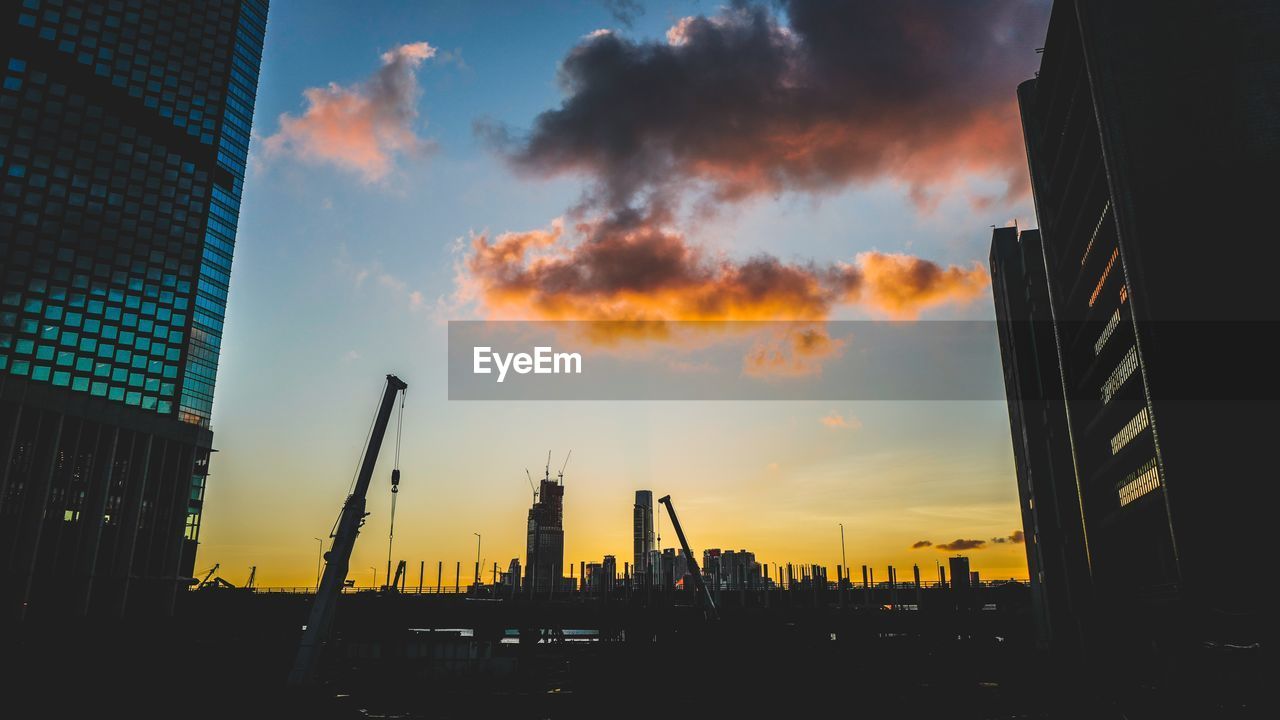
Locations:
column 196, row 402
column 124, row 130
column 170, row 56
column 100, row 230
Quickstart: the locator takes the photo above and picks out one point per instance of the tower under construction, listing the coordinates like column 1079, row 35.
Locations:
column 545, row 546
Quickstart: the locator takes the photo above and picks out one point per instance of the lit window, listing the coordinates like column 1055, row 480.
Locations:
column 1118, row 376
column 1105, row 274
column 1131, row 429
column 1139, row 483
column 1112, row 324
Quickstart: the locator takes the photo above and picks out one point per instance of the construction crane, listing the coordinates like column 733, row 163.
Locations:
column 200, row 583
column 210, row 582
column 696, row 571
column 531, row 485
column 560, row 475
column 216, row 583
column 315, row 633
column 253, row 573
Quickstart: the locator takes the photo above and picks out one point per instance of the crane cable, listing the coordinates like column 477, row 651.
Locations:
column 395, row 485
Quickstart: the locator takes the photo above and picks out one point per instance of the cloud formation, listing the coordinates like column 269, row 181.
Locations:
column 920, row 544
column 746, row 103
column 791, row 350
column 1016, row 537
column 961, row 544
column 631, row 267
column 836, row 421
column 362, row 127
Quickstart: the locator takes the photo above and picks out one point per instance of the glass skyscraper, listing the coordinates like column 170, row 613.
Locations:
column 124, row 132
column 642, row 533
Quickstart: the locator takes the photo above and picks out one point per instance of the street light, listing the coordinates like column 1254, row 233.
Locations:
column 477, row 582
column 319, row 555
column 375, row 576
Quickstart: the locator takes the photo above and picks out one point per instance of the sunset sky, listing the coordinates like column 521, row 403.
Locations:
column 420, row 162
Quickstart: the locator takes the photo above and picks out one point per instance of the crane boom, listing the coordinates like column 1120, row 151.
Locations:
column 209, row 574
column 693, row 563
column 565, row 465
column 337, row 561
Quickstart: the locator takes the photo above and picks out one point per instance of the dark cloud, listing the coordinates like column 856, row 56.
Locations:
column 1016, row 537
column 624, row 11
column 747, row 102
column 920, row 544
column 961, row 544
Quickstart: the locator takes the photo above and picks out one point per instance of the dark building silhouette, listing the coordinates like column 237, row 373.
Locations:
column 1152, row 133
column 960, row 577
column 600, row 576
column 1047, row 494
column 642, row 534
column 124, row 131
column 730, row 568
column 544, row 548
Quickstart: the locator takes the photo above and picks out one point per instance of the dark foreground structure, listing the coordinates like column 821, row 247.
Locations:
column 777, row 652
column 1135, row 327
column 124, row 129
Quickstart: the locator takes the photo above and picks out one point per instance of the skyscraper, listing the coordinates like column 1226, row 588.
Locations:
column 642, row 533
column 545, row 540
column 1147, row 128
column 960, row 577
column 609, row 572
column 1047, row 495
column 124, row 131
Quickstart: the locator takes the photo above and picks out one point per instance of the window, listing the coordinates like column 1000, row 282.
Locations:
column 1112, row 324
column 1122, row 373
column 1105, row 274
column 1131, row 429
column 1140, row 482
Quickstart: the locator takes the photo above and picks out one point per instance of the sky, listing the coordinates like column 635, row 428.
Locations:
column 420, row 162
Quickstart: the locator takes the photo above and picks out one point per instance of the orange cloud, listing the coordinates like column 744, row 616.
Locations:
column 836, row 421
column 903, row 285
column 361, row 127
column 789, row 351
column 637, row 270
